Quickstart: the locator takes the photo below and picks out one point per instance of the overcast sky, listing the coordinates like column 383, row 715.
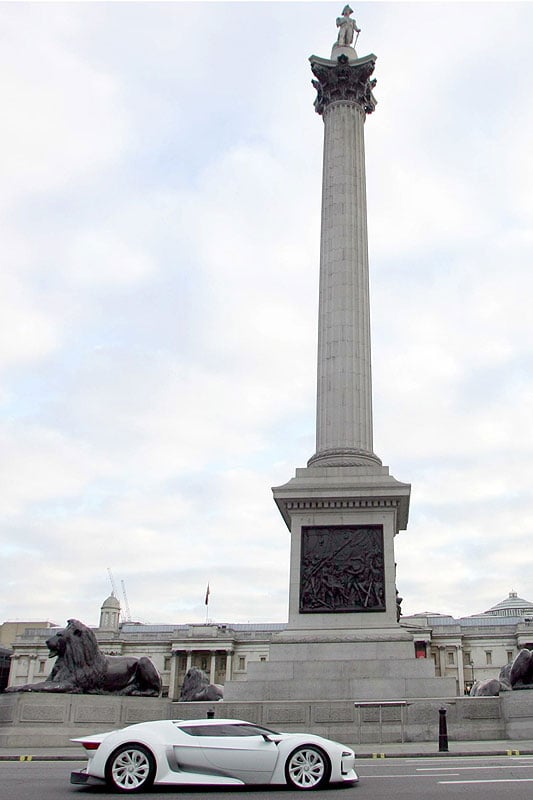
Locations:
column 160, row 177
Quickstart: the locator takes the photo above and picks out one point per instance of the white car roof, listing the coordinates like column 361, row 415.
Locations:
column 205, row 721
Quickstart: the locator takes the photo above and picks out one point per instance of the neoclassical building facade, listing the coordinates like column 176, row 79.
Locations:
column 467, row 649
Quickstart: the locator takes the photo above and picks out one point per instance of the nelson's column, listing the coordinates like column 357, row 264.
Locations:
column 344, row 509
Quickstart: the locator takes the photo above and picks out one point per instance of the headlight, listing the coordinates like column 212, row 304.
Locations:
column 347, row 761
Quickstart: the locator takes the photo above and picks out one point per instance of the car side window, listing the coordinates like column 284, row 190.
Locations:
column 224, row 730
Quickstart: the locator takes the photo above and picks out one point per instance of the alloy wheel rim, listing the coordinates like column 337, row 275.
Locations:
column 306, row 768
column 130, row 769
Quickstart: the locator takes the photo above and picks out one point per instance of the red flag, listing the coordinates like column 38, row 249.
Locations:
column 207, row 595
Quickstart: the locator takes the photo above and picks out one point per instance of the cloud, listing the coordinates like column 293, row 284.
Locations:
column 63, row 122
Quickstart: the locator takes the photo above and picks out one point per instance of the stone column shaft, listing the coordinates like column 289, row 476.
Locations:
column 460, row 670
column 344, row 384
column 173, row 690
column 229, row 659
column 212, row 667
column 344, row 394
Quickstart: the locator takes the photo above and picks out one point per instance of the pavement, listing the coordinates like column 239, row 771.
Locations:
column 500, row 747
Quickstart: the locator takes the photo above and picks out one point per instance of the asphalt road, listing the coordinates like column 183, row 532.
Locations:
column 472, row 777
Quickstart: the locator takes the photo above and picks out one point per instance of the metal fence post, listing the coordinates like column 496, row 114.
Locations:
column 443, row 731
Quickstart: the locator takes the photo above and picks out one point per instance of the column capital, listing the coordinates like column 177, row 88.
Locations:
column 344, row 80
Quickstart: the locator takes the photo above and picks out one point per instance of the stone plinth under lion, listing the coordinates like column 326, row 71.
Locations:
column 82, row 668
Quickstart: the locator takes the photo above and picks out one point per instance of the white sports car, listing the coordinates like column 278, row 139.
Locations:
column 216, row 752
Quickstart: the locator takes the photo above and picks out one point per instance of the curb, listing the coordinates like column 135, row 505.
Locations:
column 51, row 757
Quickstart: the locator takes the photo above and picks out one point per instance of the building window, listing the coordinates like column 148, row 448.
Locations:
column 467, row 657
column 263, row 658
column 203, row 663
column 450, row 657
column 242, row 662
column 42, row 665
column 488, row 656
column 510, row 657
column 183, row 663
column 168, row 660
column 420, row 650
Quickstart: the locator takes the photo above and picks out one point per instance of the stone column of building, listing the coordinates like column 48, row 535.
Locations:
column 460, row 669
column 173, row 692
column 32, row 661
column 229, row 660
column 442, row 660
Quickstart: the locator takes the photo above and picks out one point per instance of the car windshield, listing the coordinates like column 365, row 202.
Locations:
column 226, row 729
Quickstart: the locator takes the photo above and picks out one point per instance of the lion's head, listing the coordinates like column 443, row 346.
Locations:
column 78, row 655
column 195, row 679
column 196, row 686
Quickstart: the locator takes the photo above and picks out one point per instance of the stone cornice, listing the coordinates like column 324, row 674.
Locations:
column 330, row 489
column 336, row 503
column 344, row 81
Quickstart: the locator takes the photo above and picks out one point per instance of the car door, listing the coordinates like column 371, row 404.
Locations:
column 231, row 750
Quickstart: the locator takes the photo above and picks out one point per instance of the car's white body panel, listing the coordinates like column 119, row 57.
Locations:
column 182, row 758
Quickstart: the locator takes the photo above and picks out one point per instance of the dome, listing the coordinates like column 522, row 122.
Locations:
column 512, row 606
column 111, row 602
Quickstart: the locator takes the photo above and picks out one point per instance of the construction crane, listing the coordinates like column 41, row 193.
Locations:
column 113, row 585
column 126, row 604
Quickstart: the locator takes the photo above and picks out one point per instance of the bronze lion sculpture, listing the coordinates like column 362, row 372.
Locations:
column 82, row 668
column 518, row 675
column 196, row 687
column 522, row 670
column 491, row 687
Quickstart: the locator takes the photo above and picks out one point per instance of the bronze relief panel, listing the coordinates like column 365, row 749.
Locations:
column 342, row 569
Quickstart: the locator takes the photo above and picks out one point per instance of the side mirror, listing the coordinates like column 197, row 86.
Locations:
column 272, row 737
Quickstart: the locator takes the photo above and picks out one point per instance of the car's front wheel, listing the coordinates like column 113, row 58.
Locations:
column 307, row 767
column 130, row 768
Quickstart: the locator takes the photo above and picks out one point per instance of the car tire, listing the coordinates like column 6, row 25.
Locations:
column 130, row 768
column 307, row 767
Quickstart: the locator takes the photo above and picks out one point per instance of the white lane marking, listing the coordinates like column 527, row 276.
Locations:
column 406, row 775
column 478, row 767
column 451, row 757
column 492, row 780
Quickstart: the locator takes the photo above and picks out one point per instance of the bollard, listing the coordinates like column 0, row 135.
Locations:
column 211, row 713
column 443, row 731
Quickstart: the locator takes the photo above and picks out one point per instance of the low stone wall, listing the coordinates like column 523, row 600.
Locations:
column 37, row 720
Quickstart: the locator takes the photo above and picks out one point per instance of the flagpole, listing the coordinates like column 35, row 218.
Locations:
column 207, row 593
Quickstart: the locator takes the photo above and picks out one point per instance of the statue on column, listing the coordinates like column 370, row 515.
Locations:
column 347, row 28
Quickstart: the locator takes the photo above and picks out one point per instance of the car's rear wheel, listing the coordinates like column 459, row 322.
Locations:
column 307, row 767
column 130, row 768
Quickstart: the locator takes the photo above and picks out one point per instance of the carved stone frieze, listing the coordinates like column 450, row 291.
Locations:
column 344, row 81
column 342, row 569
